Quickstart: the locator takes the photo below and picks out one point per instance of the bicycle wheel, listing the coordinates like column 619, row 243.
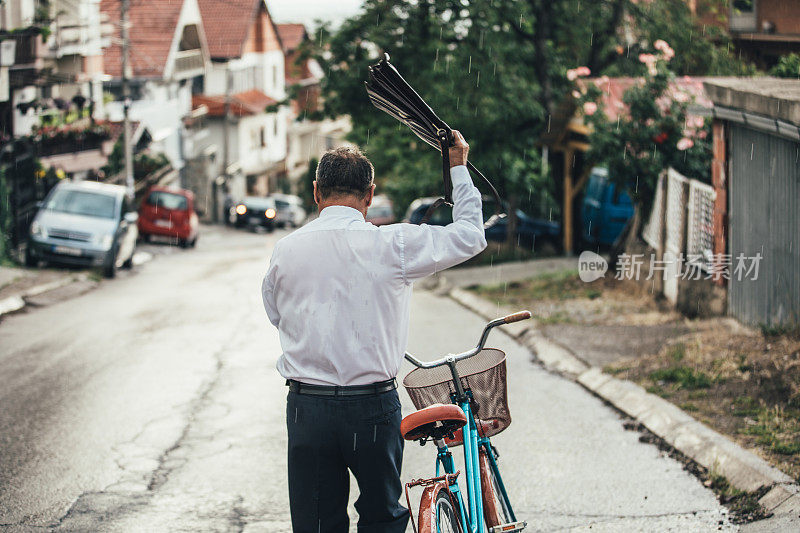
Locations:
column 494, row 510
column 446, row 517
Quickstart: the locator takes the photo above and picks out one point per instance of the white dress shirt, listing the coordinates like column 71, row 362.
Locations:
column 338, row 289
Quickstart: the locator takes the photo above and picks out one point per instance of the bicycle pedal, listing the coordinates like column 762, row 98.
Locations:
column 506, row 528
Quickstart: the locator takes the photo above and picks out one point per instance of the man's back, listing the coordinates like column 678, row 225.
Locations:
column 345, row 283
column 338, row 289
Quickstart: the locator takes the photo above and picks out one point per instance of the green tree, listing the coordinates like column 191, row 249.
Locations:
column 788, row 67
column 495, row 70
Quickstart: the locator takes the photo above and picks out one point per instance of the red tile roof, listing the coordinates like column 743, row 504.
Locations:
column 291, row 35
column 226, row 23
column 243, row 104
column 153, row 24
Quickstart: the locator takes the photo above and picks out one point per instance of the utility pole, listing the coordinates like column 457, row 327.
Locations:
column 226, row 156
column 126, row 98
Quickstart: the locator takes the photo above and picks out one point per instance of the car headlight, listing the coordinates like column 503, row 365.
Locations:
column 270, row 213
column 38, row 230
column 104, row 240
column 241, row 209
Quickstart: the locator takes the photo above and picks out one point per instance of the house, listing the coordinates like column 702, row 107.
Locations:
column 168, row 60
column 244, row 84
column 51, row 95
column 761, row 30
column 307, row 139
column 57, row 61
column 756, row 177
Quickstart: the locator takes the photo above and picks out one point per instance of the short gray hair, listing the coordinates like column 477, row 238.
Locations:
column 344, row 171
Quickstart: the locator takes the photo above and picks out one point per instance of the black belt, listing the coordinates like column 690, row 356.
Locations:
column 341, row 390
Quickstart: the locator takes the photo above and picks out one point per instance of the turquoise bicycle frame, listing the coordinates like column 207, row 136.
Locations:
column 472, row 513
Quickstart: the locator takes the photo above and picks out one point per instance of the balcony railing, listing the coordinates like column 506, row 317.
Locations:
column 189, row 63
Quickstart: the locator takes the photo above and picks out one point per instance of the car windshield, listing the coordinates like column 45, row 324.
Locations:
column 83, row 203
column 167, row 200
column 254, row 202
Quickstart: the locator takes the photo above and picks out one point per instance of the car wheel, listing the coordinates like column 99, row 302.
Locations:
column 194, row 241
column 30, row 259
column 146, row 237
column 183, row 243
column 110, row 264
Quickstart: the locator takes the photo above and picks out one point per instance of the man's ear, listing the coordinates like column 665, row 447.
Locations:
column 316, row 193
column 370, row 195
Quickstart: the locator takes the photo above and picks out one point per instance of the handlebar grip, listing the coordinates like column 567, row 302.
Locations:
column 516, row 317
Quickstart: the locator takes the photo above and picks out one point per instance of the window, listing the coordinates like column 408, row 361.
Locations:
column 263, row 135
column 167, row 200
column 83, row 203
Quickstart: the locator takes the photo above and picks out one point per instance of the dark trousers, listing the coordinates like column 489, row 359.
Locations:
column 328, row 435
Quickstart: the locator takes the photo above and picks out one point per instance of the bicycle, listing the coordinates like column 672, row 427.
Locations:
column 468, row 397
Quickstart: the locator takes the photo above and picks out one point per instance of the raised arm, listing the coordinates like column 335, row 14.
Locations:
column 428, row 249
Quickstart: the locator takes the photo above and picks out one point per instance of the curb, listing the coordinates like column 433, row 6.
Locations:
column 710, row 449
column 17, row 302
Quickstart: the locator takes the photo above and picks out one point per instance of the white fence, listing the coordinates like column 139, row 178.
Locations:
column 686, row 232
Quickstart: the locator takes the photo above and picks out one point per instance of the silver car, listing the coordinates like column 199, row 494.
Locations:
column 85, row 224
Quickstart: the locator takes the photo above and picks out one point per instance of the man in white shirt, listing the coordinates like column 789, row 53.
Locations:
column 338, row 290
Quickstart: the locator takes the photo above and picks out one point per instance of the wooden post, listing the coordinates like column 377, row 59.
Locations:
column 566, row 217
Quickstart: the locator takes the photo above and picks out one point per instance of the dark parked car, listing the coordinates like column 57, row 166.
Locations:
column 85, row 224
column 169, row 213
column 254, row 212
column 605, row 210
column 531, row 232
column 290, row 210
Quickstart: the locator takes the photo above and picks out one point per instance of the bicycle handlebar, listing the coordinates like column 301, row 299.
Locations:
column 452, row 358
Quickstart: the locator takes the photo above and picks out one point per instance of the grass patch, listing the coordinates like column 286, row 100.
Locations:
column 786, row 448
column 682, row 377
column 562, row 285
column 792, row 330
column 658, row 391
column 615, row 370
column 745, row 406
column 677, row 352
column 689, row 407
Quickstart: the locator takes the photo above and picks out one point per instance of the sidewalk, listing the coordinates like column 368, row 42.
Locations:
column 20, row 286
column 578, row 338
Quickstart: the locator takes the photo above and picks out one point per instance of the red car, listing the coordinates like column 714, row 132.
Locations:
column 169, row 213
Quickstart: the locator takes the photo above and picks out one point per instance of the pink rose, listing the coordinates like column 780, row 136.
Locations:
column 589, row 108
column 575, row 73
column 685, row 144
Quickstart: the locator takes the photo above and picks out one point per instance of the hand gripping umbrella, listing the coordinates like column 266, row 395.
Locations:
column 389, row 92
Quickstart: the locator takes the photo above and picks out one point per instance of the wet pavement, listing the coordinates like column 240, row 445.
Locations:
column 152, row 404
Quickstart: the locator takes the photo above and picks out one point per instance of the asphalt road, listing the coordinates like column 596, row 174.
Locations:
column 151, row 403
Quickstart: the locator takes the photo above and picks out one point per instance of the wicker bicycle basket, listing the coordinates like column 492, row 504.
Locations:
column 484, row 374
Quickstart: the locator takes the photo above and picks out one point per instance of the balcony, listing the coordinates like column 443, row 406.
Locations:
column 189, row 63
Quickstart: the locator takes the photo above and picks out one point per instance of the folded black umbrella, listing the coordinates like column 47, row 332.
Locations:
column 389, row 92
